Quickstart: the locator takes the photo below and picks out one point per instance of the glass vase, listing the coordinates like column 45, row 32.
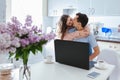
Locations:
column 25, row 73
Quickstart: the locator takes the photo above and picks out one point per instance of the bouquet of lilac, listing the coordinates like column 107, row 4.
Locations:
column 20, row 39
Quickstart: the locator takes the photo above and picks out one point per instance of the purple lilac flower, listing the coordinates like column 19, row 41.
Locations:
column 24, row 42
column 39, row 31
column 28, row 20
column 49, row 36
column 34, row 28
column 23, row 31
column 15, row 42
column 2, row 28
column 12, row 49
column 5, row 40
column 15, row 22
column 33, row 38
column 12, row 28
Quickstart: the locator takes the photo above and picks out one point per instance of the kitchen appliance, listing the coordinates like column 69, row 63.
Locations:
column 96, row 27
column 107, row 31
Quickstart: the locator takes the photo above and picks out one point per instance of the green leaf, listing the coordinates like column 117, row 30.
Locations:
column 39, row 48
column 43, row 42
column 25, row 57
column 11, row 54
column 23, row 52
column 19, row 53
column 33, row 51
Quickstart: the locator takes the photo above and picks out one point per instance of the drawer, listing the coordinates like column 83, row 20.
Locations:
column 109, row 45
column 114, row 46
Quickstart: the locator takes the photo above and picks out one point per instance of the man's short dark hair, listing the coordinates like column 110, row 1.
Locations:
column 82, row 18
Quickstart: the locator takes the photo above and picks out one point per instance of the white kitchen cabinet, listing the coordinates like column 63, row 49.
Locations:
column 108, row 45
column 99, row 7
column 55, row 7
column 69, row 4
column 84, row 6
column 91, row 7
column 112, row 7
column 55, row 12
column 2, row 10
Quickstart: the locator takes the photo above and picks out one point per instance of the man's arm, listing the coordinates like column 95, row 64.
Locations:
column 94, row 46
column 95, row 53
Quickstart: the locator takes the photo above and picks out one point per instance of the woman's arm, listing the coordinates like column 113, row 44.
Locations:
column 71, row 36
column 77, row 34
column 96, row 52
column 84, row 33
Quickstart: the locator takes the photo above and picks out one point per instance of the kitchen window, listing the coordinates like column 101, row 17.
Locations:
column 22, row 8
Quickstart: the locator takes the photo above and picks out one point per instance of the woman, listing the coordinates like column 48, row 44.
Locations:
column 80, row 21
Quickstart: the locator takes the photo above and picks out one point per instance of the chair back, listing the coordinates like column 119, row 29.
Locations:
column 113, row 58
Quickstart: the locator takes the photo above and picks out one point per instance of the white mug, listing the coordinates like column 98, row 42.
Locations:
column 101, row 63
column 49, row 58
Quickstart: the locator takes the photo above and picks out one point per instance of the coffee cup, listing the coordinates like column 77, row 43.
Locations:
column 101, row 64
column 49, row 59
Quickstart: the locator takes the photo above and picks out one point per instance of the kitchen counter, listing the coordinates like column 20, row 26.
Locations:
column 42, row 71
column 105, row 39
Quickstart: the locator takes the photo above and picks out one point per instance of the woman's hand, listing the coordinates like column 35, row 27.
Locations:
column 83, row 34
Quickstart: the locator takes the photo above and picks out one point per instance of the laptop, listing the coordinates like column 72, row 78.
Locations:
column 73, row 53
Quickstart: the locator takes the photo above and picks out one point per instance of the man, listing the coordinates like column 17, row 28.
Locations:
column 80, row 22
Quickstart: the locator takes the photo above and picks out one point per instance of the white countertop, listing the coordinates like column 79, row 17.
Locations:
column 57, row 71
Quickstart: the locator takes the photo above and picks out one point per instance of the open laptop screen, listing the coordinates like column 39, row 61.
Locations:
column 72, row 53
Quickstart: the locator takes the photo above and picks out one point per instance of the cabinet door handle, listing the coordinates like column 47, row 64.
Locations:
column 90, row 11
column 93, row 11
column 110, row 46
column 115, row 47
column 55, row 12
